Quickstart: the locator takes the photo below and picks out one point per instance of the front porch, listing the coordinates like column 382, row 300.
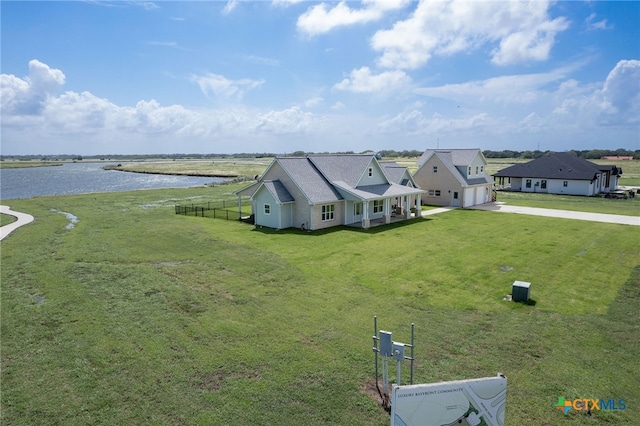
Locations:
column 383, row 220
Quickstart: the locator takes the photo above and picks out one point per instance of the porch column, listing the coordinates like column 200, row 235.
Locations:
column 418, row 205
column 406, row 209
column 239, row 207
column 365, row 215
column 387, row 210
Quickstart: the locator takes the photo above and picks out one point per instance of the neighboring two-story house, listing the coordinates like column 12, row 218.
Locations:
column 454, row 177
column 321, row 191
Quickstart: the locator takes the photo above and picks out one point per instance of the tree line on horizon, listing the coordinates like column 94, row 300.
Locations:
column 592, row 154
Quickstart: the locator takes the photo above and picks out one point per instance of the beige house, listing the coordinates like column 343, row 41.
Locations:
column 454, row 177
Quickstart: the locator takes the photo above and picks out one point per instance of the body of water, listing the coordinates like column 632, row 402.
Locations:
column 84, row 178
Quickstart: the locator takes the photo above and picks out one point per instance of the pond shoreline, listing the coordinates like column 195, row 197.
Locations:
column 155, row 172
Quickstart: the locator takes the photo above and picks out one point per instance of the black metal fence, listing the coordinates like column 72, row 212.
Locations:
column 224, row 209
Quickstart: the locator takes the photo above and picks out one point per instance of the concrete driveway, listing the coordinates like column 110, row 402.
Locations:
column 23, row 219
column 564, row 214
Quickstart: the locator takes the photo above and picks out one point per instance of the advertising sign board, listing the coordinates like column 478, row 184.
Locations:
column 474, row 402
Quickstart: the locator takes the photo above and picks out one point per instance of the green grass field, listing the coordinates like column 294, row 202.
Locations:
column 6, row 219
column 136, row 315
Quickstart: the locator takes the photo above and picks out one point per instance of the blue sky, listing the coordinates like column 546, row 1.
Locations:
column 135, row 77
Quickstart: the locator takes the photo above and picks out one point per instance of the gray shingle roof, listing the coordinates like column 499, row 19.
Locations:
column 321, row 179
column 458, row 157
column 394, row 171
column 279, row 192
column 555, row 166
column 309, row 180
column 372, row 192
column 345, row 168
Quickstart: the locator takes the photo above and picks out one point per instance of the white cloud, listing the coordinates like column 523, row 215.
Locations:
column 523, row 30
column 224, row 88
column 592, row 24
column 262, row 60
column 363, row 81
column 27, row 95
column 284, row 3
column 320, row 19
column 313, row 102
column 291, row 120
column 559, row 110
column 621, row 94
column 519, row 89
column 415, row 122
column 228, row 8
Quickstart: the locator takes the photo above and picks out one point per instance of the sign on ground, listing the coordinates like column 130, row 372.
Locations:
column 474, row 402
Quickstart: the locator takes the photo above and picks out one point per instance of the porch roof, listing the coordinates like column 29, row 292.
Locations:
column 376, row 192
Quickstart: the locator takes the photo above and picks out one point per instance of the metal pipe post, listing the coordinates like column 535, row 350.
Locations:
column 411, row 375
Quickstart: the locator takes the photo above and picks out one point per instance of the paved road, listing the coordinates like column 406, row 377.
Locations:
column 23, row 219
column 565, row 214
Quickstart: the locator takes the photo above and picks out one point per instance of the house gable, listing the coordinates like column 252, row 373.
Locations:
column 354, row 170
column 454, row 177
column 397, row 173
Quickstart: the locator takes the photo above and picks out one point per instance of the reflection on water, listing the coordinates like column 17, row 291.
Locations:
column 83, row 178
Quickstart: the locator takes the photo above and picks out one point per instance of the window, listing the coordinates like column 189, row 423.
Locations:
column 469, row 173
column 437, row 192
column 370, row 171
column 378, row 206
column 565, row 183
column 528, row 185
column 431, row 192
column 435, row 169
column 481, row 169
column 267, row 209
column 476, row 169
column 327, row 212
column 543, row 184
column 357, row 209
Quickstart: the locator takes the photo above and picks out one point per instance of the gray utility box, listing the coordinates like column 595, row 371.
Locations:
column 520, row 291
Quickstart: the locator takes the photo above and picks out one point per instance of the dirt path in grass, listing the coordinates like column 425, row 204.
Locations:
column 23, row 219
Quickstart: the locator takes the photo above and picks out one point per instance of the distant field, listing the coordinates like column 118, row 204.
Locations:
column 23, row 164
column 136, row 315
column 256, row 166
column 214, row 168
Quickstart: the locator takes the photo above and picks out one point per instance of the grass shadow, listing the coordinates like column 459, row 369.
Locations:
column 315, row 233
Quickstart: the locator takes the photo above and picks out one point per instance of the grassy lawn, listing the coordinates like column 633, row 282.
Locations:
column 136, row 315
column 6, row 219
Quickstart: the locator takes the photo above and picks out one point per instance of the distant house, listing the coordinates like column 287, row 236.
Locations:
column 454, row 177
column 322, row 191
column 560, row 173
